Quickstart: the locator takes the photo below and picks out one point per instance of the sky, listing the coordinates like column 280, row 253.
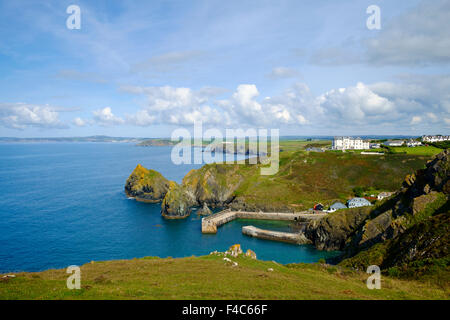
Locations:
column 146, row 68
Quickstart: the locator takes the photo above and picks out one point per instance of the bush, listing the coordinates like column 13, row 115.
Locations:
column 358, row 191
column 394, row 272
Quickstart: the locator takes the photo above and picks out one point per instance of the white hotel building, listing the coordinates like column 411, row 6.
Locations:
column 343, row 143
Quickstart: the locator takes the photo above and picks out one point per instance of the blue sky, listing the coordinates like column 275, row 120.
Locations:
column 145, row 68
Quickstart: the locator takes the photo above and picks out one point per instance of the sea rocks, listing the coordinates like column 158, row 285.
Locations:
column 333, row 231
column 234, row 250
column 420, row 203
column 250, row 254
column 177, row 203
column 204, row 211
column 146, row 185
column 213, row 184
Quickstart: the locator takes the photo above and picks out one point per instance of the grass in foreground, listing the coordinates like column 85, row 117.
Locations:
column 210, row 277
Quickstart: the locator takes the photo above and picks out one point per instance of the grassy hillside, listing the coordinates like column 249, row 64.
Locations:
column 305, row 178
column 211, row 277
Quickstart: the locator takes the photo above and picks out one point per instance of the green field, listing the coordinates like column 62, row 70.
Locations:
column 305, row 178
column 210, row 277
column 420, row 150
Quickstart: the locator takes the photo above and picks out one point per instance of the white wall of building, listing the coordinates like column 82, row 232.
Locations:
column 344, row 143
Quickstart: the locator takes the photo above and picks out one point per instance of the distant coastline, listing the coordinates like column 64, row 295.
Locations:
column 164, row 141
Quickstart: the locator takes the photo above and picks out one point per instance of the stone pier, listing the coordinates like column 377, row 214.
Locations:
column 211, row 223
column 298, row 238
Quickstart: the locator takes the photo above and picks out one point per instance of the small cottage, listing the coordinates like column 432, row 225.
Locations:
column 358, row 202
column 337, row 206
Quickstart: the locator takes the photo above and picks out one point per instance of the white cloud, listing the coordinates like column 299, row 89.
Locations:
column 417, row 37
column 283, row 73
column 141, row 118
column 414, row 99
column 357, row 103
column 416, row 120
column 22, row 116
column 335, row 56
column 284, row 109
column 417, row 100
column 420, row 36
column 432, row 116
column 105, row 117
column 183, row 106
column 167, row 62
column 80, row 76
column 178, row 106
column 79, row 122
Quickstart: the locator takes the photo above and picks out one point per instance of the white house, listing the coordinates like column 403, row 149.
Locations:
column 436, row 138
column 394, row 143
column 358, row 202
column 343, row 143
column 383, row 195
column 413, row 143
column 336, row 206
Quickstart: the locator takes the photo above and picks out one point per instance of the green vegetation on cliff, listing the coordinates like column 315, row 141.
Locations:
column 177, row 203
column 304, row 178
column 407, row 235
column 146, row 185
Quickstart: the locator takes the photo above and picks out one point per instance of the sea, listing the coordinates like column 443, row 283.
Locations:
column 64, row 204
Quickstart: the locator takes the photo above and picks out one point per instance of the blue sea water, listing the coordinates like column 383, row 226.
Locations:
column 63, row 204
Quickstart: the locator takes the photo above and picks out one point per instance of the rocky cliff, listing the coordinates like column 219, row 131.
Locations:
column 303, row 179
column 212, row 186
column 410, row 229
column 146, row 185
column 178, row 202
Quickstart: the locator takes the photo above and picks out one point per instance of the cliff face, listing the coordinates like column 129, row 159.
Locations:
column 420, row 250
column 406, row 231
column 303, row 180
column 334, row 231
column 146, row 185
column 178, row 202
column 213, row 184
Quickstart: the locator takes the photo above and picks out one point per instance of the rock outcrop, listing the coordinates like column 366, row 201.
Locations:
column 334, row 231
column 410, row 232
column 422, row 194
column 213, row 184
column 146, row 185
column 234, row 251
column 251, row 254
column 177, row 203
column 204, row 211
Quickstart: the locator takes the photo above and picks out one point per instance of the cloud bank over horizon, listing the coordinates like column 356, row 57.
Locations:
column 146, row 69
